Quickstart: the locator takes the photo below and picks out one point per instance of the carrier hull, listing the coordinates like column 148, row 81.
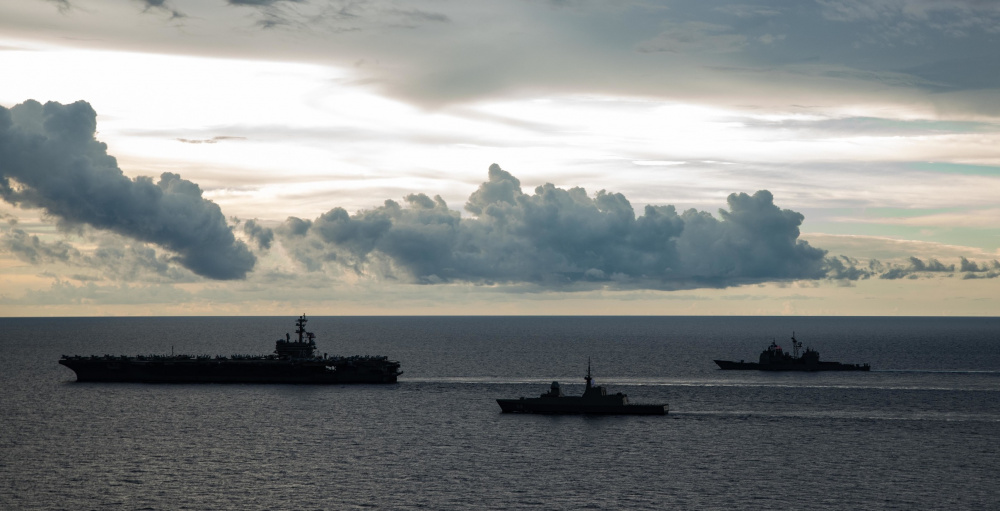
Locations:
column 277, row 371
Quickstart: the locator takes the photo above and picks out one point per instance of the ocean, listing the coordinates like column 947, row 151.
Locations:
column 920, row 431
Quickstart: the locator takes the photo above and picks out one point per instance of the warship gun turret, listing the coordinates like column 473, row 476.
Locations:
column 595, row 400
column 774, row 358
column 293, row 361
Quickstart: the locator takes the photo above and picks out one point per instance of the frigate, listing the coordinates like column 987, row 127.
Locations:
column 595, row 400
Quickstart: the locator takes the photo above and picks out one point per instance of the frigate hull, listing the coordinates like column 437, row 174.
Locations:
column 569, row 405
column 595, row 400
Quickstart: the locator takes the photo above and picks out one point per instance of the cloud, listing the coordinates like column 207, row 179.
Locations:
column 337, row 15
column 694, row 37
column 973, row 270
column 162, row 6
column 63, row 5
column 870, row 126
column 62, row 292
column 50, row 159
column 558, row 238
column 262, row 236
column 916, row 266
column 259, row 3
column 848, row 268
column 32, row 250
column 748, row 11
column 987, row 275
column 213, row 140
column 946, row 15
column 972, row 266
column 114, row 258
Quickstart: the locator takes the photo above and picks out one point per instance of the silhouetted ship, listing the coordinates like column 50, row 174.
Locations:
column 293, row 361
column 775, row 359
column 595, row 400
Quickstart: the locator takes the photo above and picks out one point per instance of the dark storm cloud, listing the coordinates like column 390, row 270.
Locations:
column 558, row 237
column 50, row 159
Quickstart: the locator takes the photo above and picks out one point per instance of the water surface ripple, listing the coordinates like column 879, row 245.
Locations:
column 920, row 431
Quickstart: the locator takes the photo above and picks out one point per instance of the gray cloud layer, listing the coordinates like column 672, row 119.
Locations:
column 50, row 159
column 558, row 237
column 435, row 53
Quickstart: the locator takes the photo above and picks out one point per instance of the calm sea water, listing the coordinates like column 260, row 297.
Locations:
column 920, row 431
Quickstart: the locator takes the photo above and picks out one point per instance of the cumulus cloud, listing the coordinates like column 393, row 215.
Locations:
column 848, row 268
column 971, row 266
column 973, row 270
column 558, row 238
column 50, row 159
column 262, row 236
column 915, row 266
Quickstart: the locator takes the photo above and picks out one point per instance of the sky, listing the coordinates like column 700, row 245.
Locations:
column 557, row 157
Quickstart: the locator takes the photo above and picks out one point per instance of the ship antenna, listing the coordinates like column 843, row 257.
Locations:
column 588, row 372
column 301, row 324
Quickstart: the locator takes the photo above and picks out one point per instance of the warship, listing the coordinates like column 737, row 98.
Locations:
column 775, row 359
column 595, row 400
column 293, row 361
